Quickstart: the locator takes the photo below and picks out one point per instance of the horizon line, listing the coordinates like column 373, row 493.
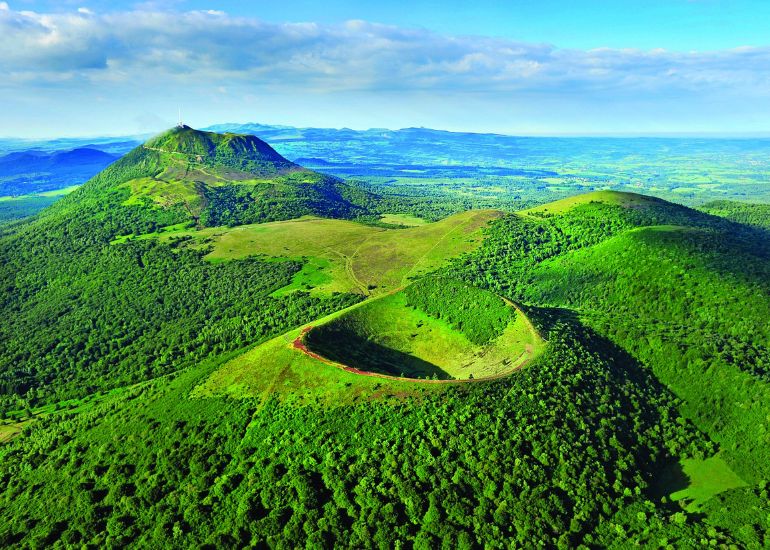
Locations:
column 674, row 134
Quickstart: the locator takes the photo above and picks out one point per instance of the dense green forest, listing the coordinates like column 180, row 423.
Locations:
column 757, row 215
column 671, row 287
column 542, row 458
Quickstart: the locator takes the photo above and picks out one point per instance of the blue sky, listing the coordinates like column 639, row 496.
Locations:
column 522, row 67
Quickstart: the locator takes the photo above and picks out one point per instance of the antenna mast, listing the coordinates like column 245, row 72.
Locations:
column 179, row 124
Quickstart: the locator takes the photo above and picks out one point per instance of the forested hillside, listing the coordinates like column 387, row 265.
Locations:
column 754, row 214
column 684, row 293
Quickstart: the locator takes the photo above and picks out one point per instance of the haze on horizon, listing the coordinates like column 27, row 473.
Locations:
column 554, row 67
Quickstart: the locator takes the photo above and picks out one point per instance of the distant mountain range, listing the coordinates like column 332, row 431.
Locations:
column 685, row 169
column 34, row 171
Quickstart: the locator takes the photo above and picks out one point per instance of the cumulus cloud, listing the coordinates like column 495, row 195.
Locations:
column 40, row 48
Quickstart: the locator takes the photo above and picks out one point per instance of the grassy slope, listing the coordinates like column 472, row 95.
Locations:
column 348, row 256
column 686, row 277
column 276, row 370
column 626, row 200
column 402, row 219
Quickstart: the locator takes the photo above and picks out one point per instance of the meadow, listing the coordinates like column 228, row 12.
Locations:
column 340, row 255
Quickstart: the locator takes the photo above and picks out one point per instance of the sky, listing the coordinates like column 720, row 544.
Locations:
column 524, row 67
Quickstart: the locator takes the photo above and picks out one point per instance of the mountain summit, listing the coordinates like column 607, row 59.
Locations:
column 188, row 175
column 242, row 151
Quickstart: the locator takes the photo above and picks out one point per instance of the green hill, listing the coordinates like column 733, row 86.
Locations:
column 64, row 282
column 686, row 294
column 612, row 198
column 207, row 179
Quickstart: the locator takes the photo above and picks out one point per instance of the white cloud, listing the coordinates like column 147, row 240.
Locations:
column 357, row 55
column 62, row 61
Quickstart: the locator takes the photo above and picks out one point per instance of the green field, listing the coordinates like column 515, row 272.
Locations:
column 346, row 256
column 9, row 431
column 705, row 479
column 402, row 219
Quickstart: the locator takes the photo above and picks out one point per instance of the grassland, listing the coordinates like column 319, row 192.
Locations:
column 9, row 431
column 402, row 219
column 344, row 256
column 705, row 479
column 183, row 181
column 276, row 370
column 627, row 200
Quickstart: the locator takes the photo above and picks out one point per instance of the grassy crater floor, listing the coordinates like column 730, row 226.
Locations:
column 387, row 336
